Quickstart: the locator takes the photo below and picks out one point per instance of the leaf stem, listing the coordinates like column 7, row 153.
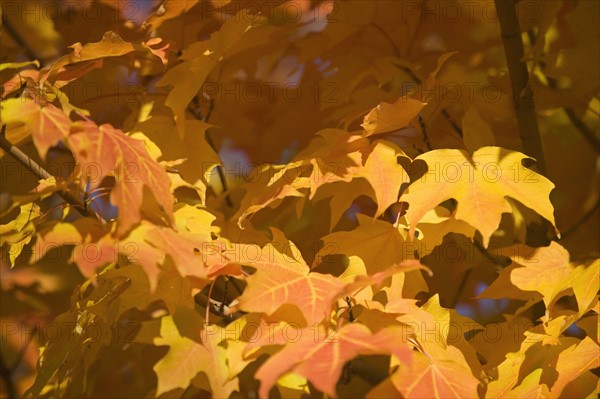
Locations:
column 212, row 284
column 220, row 172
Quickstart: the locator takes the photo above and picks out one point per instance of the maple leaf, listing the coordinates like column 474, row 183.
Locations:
column 379, row 168
column 479, row 184
column 435, row 225
column 442, row 375
column 162, row 131
column 351, row 64
column 284, row 278
column 90, row 54
column 377, row 243
column 184, row 249
column 387, row 117
column 43, row 190
column 199, row 60
column 191, row 355
column 525, row 373
column 48, row 125
column 110, row 152
column 384, row 174
column 547, row 271
column 92, row 248
column 334, row 156
column 19, row 231
column 262, row 192
column 320, row 355
column 437, row 328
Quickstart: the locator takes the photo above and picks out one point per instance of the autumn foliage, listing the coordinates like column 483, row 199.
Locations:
column 288, row 199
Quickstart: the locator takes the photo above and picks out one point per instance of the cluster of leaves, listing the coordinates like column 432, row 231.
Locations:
column 391, row 243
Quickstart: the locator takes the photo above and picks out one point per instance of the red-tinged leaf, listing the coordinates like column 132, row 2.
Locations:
column 109, row 152
column 284, row 279
column 436, row 327
column 184, row 249
column 159, row 48
column 193, row 255
column 440, row 375
column 334, row 156
column 479, row 184
column 320, row 355
column 48, row 125
column 84, row 235
column 20, row 81
column 362, row 281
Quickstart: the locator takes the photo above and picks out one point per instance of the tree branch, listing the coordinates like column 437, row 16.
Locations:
column 10, row 29
column 585, row 131
column 524, row 101
column 42, row 174
column 581, row 221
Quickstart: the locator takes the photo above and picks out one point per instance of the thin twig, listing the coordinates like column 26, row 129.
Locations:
column 212, row 284
column 424, row 131
column 581, row 221
column 461, row 287
column 498, row 260
column 585, row 131
column 444, row 111
column 225, row 286
column 454, row 125
column 524, row 102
